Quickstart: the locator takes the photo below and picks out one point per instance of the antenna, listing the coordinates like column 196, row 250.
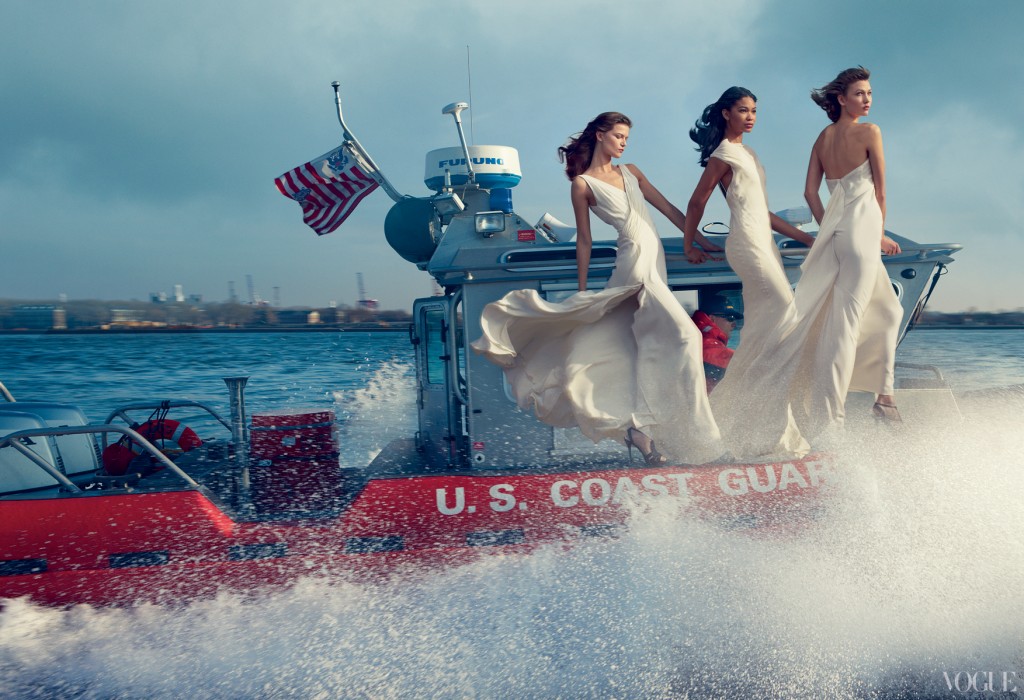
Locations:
column 469, row 80
column 454, row 109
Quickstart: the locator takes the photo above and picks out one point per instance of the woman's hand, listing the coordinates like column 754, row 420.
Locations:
column 890, row 247
column 695, row 255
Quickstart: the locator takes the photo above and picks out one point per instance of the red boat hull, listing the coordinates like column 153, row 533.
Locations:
column 168, row 546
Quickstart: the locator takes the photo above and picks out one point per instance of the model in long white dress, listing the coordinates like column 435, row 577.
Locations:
column 767, row 304
column 605, row 361
column 842, row 334
column 847, row 313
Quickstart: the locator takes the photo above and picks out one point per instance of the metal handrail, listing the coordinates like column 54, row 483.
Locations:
column 540, row 264
column 14, row 440
column 354, row 144
column 453, row 350
column 6, row 394
column 122, row 411
column 920, row 249
column 926, row 368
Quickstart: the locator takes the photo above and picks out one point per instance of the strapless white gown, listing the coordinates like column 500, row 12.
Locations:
column 625, row 356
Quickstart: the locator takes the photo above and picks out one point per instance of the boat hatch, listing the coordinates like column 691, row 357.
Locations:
column 440, row 379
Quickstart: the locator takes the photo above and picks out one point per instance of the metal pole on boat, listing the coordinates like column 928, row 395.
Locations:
column 454, row 109
column 239, row 434
column 354, row 144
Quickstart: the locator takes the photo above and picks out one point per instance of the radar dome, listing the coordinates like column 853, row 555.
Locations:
column 493, row 167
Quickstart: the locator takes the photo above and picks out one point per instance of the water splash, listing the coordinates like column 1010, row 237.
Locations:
column 914, row 569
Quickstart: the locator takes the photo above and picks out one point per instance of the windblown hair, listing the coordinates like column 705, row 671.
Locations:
column 709, row 130
column 828, row 97
column 580, row 150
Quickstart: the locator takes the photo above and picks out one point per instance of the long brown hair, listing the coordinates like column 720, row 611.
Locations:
column 578, row 152
column 827, row 97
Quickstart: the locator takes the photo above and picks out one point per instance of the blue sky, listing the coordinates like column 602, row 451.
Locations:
column 141, row 139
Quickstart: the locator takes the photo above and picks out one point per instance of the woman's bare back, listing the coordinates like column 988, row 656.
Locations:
column 842, row 148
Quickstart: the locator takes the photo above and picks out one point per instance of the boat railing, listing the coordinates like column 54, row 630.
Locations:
column 122, row 412
column 789, row 247
column 15, row 440
column 558, row 260
column 5, row 393
column 924, row 368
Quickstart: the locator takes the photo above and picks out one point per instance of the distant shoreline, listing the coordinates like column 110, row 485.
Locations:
column 345, row 328
column 375, row 328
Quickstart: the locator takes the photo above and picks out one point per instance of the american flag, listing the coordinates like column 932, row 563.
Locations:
column 328, row 188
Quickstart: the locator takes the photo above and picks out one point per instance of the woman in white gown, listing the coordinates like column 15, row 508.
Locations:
column 623, row 362
column 843, row 329
column 751, row 251
column 845, row 287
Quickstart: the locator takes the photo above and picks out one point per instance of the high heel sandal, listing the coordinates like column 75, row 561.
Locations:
column 652, row 457
column 886, row 413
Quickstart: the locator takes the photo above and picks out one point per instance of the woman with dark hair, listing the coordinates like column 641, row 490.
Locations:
column 624, row 362
column 732, row 166
column 843, row 330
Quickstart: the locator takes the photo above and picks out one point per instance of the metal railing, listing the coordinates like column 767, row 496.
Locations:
column 14, row 440
column 122, row 411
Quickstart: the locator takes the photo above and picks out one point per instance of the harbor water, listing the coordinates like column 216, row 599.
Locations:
column 912, row 585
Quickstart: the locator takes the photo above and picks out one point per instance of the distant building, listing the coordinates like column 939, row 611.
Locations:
column 38, row 317
column 179, row 293
column 60, row 319
column 122, row 317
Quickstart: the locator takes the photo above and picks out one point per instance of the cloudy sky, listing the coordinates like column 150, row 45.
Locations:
column 139, row 139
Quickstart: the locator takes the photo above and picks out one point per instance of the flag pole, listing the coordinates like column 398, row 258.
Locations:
column 353, row 143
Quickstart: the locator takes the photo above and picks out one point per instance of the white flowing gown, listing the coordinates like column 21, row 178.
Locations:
column 625, row 356
column 767, row 304
column 842, row 334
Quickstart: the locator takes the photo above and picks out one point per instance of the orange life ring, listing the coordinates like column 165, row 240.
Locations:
column 170, row 431
column 118, row 456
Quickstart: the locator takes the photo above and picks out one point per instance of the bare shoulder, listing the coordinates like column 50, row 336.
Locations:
column 579, row 190
column 869, row 132
column 826, row 135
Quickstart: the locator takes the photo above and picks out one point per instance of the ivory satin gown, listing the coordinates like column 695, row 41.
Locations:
column 767, row 303
column 605, row 361
column 843, row 331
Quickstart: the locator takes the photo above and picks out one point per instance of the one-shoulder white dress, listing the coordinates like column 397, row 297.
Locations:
column 605, row 361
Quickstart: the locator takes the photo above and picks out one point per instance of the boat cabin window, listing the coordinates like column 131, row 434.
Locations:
column 433, row 328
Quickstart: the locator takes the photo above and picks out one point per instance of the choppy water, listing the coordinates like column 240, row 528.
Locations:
column 917, row 571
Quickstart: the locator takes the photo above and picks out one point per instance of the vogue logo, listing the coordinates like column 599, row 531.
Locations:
column 982, row 681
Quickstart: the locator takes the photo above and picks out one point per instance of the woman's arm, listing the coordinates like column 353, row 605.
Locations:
column 790, row 231
column 812, row 185
column 877, row 158
column 714, row 172
column 581, row 196
column 671, row 211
